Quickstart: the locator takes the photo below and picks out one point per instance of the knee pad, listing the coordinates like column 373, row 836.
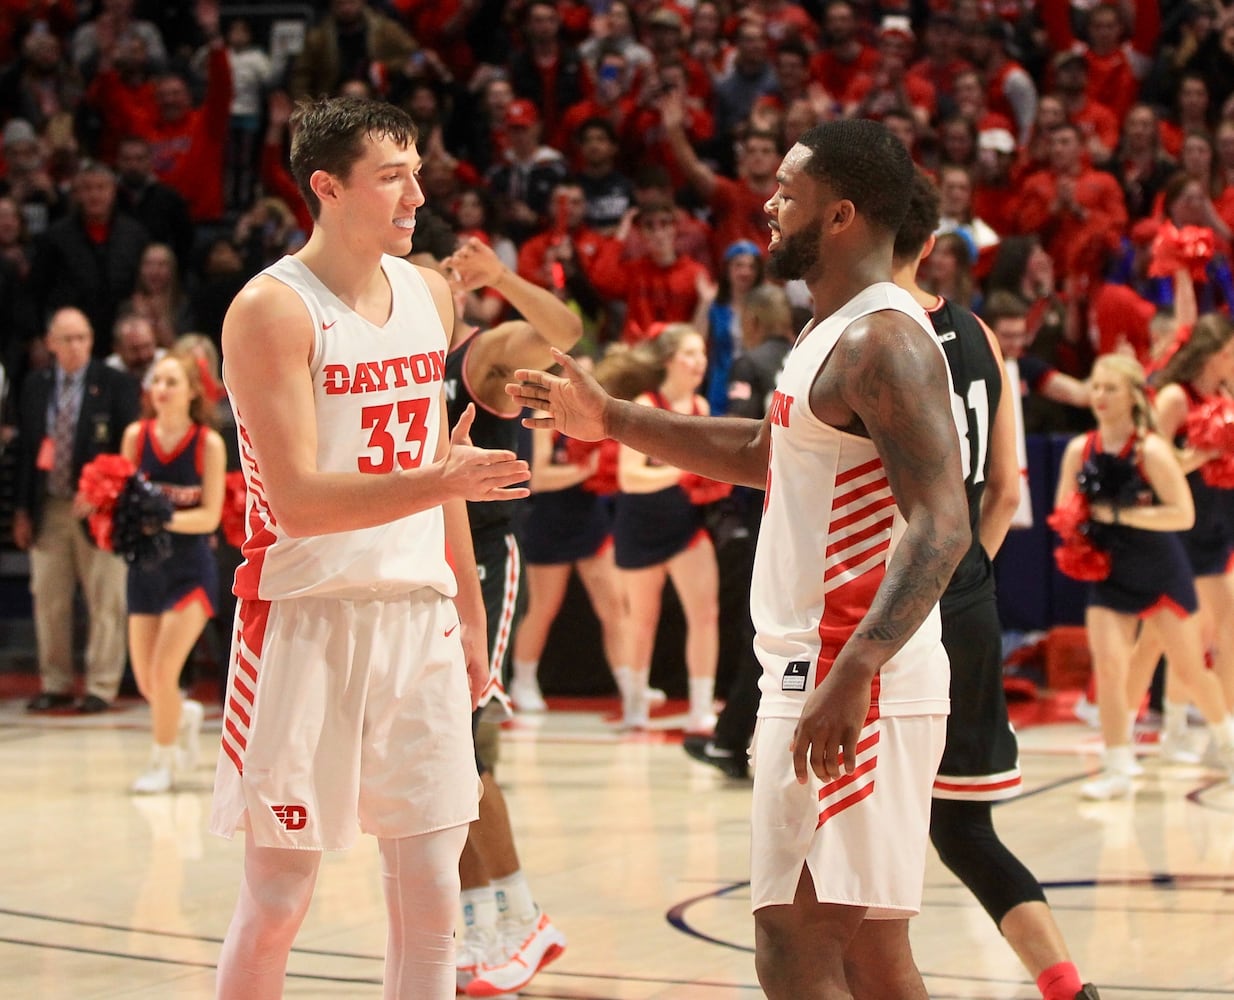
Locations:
column 963, row 834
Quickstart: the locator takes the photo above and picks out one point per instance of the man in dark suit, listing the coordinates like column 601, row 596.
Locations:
column 68, row 415
column 89, row 259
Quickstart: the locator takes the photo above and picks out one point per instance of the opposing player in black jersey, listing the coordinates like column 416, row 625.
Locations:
column 506, row 937
column 980, row 763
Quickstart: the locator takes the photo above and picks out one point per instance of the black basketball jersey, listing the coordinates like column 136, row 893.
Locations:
column 976, row 377
column 489, row 430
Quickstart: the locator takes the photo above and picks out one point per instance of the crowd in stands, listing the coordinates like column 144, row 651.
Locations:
column 620, row 152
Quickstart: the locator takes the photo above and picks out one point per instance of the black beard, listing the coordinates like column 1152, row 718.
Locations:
column 796, row 257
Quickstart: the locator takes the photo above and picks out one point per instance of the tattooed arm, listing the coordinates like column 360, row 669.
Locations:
column 887, row 381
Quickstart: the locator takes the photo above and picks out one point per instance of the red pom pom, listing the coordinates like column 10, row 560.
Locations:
column 1081, row 560
column 1069, row 518
column 1176, row 249
column 1211, row 425
column 702, row 490
column 235, row 501
column 1219, row 473
column 102, row 481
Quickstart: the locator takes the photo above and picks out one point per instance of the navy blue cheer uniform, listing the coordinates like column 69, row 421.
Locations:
column 190, row 572
column 564, row 526
column 1209, row 543
column 1148, row 569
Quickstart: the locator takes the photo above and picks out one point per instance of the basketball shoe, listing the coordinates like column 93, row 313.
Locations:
column 1088, row 993
column 476, row 949
column 527, row 696
column 539, row 943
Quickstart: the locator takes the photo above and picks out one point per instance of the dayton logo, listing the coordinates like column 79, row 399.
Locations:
column 390, row 373
column 779, row 409
column 292, row 817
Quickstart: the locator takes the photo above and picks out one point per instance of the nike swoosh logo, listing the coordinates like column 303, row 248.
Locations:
column 450, row 631
column 326, row 326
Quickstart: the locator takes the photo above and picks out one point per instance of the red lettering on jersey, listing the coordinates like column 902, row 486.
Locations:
column 364, row 380
column 421, row 369
column 336, row 379
column 397, row 366
column 780, row 407
column 438, row 361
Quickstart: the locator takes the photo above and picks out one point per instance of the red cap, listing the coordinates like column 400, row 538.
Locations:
column 522, row 112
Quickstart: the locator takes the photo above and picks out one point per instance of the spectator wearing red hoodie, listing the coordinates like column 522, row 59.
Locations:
column 843, row 55
column 1078, row 212
column 657, row 288
column 188, row 144
column 737, row 211
column 1116, row 67
column 888, row 85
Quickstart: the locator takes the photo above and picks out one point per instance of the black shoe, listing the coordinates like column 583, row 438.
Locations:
column 47, row 701
column 704, row 749
column 92, row 704
column 1088, row 993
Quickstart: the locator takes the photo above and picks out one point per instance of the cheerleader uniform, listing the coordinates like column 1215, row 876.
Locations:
column 190, row 572
column 564, row 526
column 1209, row 543
column 1148, row 569
column 651, row 528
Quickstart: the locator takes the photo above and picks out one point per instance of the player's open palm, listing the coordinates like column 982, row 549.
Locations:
column 479, row 474
column 825, row 740
column 576, row 404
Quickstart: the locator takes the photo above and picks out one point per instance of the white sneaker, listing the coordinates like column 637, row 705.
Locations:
column 189, row 737
column 527, row 697
column 541, row 943
column 476, row 949
column 1107, row 785
column 1177, row 750
column 156, row 780
column 655, row 697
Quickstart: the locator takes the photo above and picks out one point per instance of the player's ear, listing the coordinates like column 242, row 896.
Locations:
column 842, row 215
column 325, row 185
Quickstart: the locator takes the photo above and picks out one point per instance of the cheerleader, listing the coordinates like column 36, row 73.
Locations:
column 658, row 534
column 169, row 603
column 568, row 527
column 1138, row 499
column 1200, row 372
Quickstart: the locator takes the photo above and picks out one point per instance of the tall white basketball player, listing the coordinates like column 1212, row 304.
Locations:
column 864, row 523
column 360, row 635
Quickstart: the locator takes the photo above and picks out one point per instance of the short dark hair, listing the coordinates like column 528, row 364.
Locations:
column 595, row 123
column 1003, row 305
column 329, row 133
column 920, row 221
column 863, row 162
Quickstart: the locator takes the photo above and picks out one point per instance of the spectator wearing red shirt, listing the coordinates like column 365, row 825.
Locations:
column 1078, row 212
column 1009, row 90
column 994, row 193
column 122, row 93
column 567, row 240
column 844, row 55
column 707, row 44
column 654, row 187
column 969, row 96
column 943, row 60
column 1116, row 67
column 666, row 38
column 1096, row 122
column 648, row 138
column 888, row 85
column 737, row 206
column 657, row 288
column 610, row 99
column 783, row 21
column 792, row 82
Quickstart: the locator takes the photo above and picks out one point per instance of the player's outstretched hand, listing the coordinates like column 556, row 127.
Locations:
column 473, row 265
column 826, row 737
column 575, row 403
column 477, row 474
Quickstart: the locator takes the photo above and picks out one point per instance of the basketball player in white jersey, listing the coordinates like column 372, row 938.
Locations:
column 360, row 631
column 864, row 522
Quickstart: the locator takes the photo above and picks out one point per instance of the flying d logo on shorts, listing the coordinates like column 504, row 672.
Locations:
column 795, row 674
column 292, row 817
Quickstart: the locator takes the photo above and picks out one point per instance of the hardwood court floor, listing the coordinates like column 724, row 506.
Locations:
column 637, row 852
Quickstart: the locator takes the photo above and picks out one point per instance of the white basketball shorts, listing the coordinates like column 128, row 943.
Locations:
column 344, row 716
column 864, row 835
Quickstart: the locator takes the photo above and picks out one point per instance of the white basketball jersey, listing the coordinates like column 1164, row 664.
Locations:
column 830, row 526
column 377, row 397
